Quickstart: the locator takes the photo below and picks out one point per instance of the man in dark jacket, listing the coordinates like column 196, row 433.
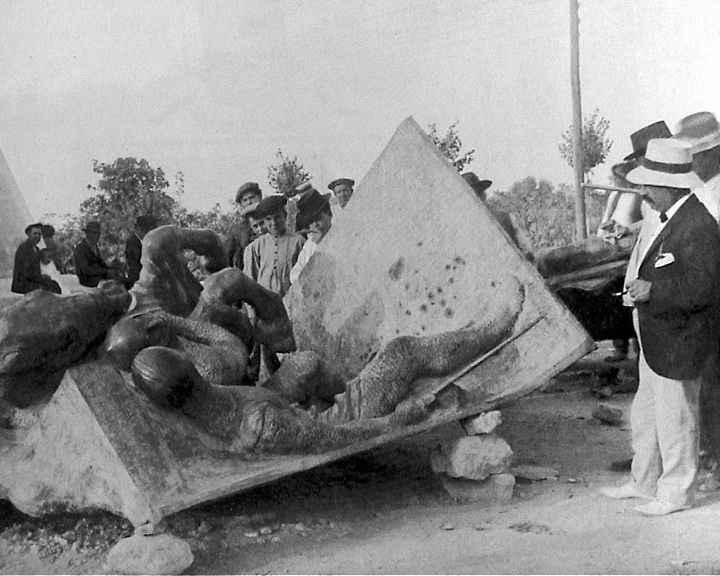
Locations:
column 671, row 282
column 90, row 266
column 26, row 270
column 133, row 247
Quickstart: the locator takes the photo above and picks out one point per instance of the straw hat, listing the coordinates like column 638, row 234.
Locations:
column 701, row 130
column 667, row 162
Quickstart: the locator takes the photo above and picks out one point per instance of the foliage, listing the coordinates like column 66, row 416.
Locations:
column 215, row 219
column 595, row 145
column 450, row 145
column 287, row 174
column 127, row 189
column 547, row 213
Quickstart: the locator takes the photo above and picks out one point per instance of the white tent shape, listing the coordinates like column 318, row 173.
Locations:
column 14, row 215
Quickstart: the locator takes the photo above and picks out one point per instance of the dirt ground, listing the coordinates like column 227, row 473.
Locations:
column 385, row 512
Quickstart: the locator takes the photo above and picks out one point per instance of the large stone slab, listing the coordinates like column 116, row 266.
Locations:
column 416, row 253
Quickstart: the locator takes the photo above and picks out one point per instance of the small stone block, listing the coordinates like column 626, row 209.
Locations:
column 495, row 489
column 608, row 414
column 159, row 554
column 473, row 457
column 482, row 423
column 533, row 473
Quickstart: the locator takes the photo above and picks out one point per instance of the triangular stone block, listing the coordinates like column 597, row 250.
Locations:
column 14, row 216
column 416, row 253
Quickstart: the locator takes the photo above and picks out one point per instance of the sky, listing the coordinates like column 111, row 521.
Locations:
column 213, row 89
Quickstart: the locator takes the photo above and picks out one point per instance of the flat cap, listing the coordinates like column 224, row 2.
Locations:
column 270, row 205
column 339, row 181
column 247, row 188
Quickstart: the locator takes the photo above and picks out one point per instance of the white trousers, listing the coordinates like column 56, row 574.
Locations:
column 665, row 434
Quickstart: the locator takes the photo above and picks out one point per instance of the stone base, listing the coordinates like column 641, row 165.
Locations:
column 495, row 489
column 159, row 554
column 473, row 457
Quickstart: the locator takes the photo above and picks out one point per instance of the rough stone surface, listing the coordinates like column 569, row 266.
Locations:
column 473, row 457
column 482, row 423
column 608, row 414
column 495, row 489
column 533, row 473
column 158, row 554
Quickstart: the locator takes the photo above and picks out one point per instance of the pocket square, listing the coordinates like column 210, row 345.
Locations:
column 664, row 260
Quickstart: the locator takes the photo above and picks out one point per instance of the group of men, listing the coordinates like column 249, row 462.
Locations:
column 672, row 284
column 37, row 268
column 272, row 244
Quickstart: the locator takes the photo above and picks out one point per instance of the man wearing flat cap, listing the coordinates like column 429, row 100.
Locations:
column 315, row 216
column 671, row 283
column 342, row 188
column 507, row 221
column 27, row 275
column 269, row 259
column 90, row 266
column 240, row 234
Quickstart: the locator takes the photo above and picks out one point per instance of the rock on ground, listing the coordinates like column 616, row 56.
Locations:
column 158, row 554
column 608, row 414
column 483, row 423
column 473, row 457
column 495, row 489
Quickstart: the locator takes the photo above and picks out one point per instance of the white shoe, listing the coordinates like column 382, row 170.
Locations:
column 659, row 508
column 627, row 490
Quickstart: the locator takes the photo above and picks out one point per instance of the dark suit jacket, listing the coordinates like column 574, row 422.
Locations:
column 89, row 267
column 133, row 253
column 26, row 269
column 678, row 326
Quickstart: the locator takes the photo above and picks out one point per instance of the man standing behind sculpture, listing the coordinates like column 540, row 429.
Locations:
column 507, row 221
column 133, row 247
column 342, row 188
column 314, row 215
column 90, row 266
column 269, row 259
column 241, row 234
column 671, row 282
column 26, row 270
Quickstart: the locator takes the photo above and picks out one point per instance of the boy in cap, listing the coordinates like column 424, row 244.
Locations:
column 27, row 275
column 315, row 216
column 342, row 188
column 268, row 261
column 670, row 283
column 240, row 234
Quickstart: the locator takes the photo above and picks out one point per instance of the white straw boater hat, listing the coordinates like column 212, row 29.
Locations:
column 701, row 130
column 667, row 162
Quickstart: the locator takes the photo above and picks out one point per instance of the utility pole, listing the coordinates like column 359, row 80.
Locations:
column 580, row 225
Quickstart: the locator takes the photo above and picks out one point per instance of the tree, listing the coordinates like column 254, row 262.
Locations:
column 547, row 212
column 127, row 189
column 595, row 145
column 450, row 145
column 287, row 174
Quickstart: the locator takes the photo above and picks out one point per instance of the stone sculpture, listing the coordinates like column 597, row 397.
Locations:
column 194, row 363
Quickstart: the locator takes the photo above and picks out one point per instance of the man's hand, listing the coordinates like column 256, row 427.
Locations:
column 639, row 290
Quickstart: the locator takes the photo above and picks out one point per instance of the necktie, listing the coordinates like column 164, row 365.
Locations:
column 663, row 217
